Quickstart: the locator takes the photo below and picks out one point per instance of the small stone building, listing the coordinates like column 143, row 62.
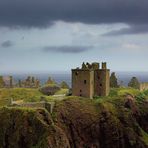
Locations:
column 143, row 86
column 90, row 80
column 46, row 105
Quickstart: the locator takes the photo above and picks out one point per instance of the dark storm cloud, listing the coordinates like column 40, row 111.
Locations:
column 67, row 49
column 7, row 44
column 42, row 13
column 133, row 29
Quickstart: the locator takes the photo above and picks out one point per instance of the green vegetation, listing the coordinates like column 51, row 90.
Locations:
column 144, row 136
column 34, row 95
column 49, row 89
column 134, row 83
column 64, row 85
column 36, row 128
column 119, row 93
column 113, row 81
column 25, row 94
column 62, row 91
column 115, row 120
column 9, row 116
column 123, row 91
column 2, row 83
column 29, row 128
column 117, row 97
column 11, row 81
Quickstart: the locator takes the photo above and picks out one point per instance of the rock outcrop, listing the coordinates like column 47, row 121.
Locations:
column 28, row 128
column 77, row 123
column 103, row 125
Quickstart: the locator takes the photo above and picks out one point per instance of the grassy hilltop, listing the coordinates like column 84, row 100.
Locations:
column 119, row 120
column 25, row 94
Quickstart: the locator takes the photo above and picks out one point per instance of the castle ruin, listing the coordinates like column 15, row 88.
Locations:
column 90, row 80
column 143, row 86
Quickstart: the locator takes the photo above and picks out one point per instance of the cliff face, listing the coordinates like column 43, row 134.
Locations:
column 22, row 128
column 105, row 124
column 77, row 123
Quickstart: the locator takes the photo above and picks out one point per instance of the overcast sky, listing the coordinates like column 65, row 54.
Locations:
column 57, row 35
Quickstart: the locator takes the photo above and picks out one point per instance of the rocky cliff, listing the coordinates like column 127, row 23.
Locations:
column 77, row 123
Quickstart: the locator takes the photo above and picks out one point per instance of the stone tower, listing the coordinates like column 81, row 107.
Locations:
column 91, row 80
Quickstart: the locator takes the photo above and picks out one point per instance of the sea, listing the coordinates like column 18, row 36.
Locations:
column 122, row 76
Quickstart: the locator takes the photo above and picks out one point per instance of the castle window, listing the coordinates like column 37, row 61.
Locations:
column 98, row 77
column 80, row 90
column 100, row 84
column 76, row 73
column 84, row 81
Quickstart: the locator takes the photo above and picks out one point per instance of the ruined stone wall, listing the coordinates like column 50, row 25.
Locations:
column 107, row 82
column 47, row 105
column 33, row 105
column 143, row 86
column 82, row 83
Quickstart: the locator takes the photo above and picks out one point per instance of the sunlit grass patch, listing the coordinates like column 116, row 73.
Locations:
column 62, row 92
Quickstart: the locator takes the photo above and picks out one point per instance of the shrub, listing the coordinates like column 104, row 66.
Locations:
column 49, row 89
column 113, row 81
column 134, row 83
column 146, row 92
column 64, row 85
column 113, row 92
column 140, row 97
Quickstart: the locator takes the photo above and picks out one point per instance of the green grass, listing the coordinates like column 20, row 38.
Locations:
column 117, row 94
column 34, row 95
column 144, row 136
column 50, row 85
column 116, row 98
column 25, row 94
column 19, row 93
column 62, row 92
column 123, row 91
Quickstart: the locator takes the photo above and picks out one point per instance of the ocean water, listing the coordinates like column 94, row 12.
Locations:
column 126, row 76
column 43, row 77
column 63, row 76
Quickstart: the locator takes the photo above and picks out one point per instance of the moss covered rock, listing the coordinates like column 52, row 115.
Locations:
column 28, row 128
column 105, row 124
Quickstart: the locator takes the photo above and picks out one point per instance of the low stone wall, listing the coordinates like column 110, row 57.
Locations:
column 47, row 105
column 143, row 86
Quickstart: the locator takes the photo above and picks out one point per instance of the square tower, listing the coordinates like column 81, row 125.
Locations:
column 102, row 81
column 90, row 80
column 83, row 82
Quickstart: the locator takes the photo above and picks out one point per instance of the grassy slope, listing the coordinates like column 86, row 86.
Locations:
column 25, row 94
column 123, row 91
